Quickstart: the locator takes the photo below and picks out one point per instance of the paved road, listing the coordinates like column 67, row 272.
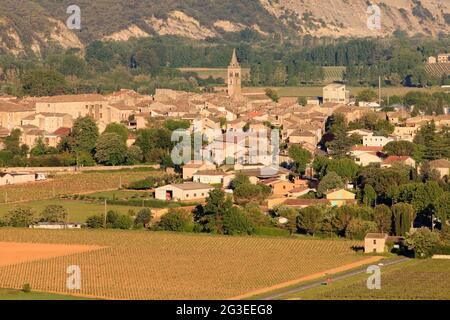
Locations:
column 318, row 283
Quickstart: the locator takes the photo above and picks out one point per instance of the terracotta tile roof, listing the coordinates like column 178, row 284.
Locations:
column 304, row 202
column 62, row 131
column 73, row 98
column 392, row 159
column 367, row 148
column 6, row 106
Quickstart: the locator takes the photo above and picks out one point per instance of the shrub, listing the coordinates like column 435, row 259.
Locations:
column 143, row 218
column 176, row 220
column 422, row 241
column 94, row 222
column 26, row 288
column 236, row 223
column 19, row 217
column 123, row 222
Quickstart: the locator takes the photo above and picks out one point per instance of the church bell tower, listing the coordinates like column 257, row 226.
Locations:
column 234, row 76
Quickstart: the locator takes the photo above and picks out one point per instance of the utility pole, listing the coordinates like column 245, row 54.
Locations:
column 104, row 216
column 379, row 90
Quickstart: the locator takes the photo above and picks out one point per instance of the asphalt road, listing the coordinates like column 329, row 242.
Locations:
column 340, row 276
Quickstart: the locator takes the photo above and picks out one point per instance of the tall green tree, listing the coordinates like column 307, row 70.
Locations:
column 110, row 149
column 84, row 135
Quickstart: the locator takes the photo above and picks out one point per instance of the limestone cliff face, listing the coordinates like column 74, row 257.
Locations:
column 29, row 25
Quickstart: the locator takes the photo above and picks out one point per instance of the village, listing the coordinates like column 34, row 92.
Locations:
column 241, row 135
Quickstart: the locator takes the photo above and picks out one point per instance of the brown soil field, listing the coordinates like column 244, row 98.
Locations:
column 13, row 253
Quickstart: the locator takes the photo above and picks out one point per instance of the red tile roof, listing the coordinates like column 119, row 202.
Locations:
column 367, row 148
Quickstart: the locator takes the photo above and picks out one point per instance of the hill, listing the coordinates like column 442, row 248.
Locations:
column 29, row 25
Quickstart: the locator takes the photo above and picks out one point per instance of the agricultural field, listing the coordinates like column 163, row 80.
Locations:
column 158, row 265
column 438, row 70
column 78, row 210
column 414, row 279
column 216, row 73
column 81, row 183
column 333, row 74
column 318, row 91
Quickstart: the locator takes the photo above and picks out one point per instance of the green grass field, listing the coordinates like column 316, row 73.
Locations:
column 12, row 294
column 414, row 279
column 78, row 210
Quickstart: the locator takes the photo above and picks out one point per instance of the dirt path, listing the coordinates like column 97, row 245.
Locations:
column 307, row 278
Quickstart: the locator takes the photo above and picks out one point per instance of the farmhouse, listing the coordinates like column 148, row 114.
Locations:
column 7, row 178
column 213, row 177
column 340, row 197
column 375, row 242
column 55, row 225
column 183, row 192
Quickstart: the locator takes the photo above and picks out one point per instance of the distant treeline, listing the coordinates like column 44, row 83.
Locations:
column 147, row 63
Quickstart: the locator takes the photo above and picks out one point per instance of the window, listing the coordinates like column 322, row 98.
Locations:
column 187, row 195
column 195, row 194
column 374, row 241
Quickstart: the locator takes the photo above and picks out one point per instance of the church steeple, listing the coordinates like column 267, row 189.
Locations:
column 234, row 61
column 234, row 76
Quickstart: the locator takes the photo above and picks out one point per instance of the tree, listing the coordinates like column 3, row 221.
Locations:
column 329, row 182
column 246, row 193
column 43, row 82
column 383, row 218
column 94, row 222
column 422, row 241
column 118, row 129
column 84, row 135
column 367, row 95
column 272, row 94
column 358, row 228
column 110, row 149
column 399, row 148
column 143, row 218
column 370, row 196
column 123, row 221
column 236, row 223
column 12, row 142
column 177, row 219
column 217, row 205
column 310, row 219
column 404, row 216
column 442, row 209
column 134, row 155
column 111, row 217
column 54, row 213
column 291, row 215
column 256, row 217
column 20, row 217
column 301, row 158
column 346, row 168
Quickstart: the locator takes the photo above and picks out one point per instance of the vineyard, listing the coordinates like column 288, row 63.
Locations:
column 333, row 74
column 70, row 184
column 415, row 279
column 153, row 265
column 438, row 70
